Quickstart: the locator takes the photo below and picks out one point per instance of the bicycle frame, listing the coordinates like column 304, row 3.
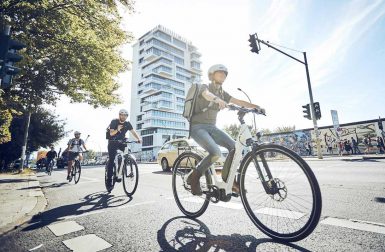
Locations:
column 120, row 158
column 242, row 138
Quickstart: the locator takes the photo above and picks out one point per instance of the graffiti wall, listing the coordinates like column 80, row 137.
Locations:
column 332, row 142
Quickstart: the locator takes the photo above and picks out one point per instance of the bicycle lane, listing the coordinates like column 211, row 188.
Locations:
column 150, row 222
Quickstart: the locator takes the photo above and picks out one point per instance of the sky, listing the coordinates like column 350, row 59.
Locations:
column 344, row 42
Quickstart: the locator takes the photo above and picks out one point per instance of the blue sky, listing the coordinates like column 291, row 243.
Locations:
column 344, row 42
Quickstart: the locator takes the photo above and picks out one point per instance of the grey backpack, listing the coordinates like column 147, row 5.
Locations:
column 190, row 101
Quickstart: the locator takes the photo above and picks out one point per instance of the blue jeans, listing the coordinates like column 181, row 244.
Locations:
column 208, row 136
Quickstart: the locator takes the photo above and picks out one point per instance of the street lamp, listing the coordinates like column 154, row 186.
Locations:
column 257, row 41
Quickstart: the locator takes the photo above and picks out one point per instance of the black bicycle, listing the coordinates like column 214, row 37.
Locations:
column 76, row 168
column 50, row 167
column 125, row 169
column 278, row 189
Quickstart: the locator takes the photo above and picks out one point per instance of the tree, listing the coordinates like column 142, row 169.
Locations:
column 72, row 49
column 233, row 130
column 45, row 130
column 284, row 129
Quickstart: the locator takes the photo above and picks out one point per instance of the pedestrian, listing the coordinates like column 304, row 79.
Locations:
column 356, row 150
column 340, row 147
column 380, row 145
column 309, row 149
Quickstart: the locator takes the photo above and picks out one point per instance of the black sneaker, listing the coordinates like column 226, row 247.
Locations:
column 118, row 179
column 68, row 177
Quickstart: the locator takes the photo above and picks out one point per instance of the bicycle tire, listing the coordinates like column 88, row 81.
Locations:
column 77, row 171
column 50, row 168
column 180, row 170
column 281, row 206
column 131, row 178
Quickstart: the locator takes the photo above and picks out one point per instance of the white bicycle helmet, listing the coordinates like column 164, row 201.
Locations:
column 215, row 68
column 123, row 112
column 76, row 133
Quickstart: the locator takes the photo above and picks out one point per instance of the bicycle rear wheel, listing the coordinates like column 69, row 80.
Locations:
column 291, row 208
column 191, row 205
column 77, row 171
column 50, row 168
column 130, row 177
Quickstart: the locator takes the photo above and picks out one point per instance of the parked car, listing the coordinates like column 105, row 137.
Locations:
column 173, row 148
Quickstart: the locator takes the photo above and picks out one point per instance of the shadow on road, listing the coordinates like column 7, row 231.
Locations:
column 184, row 234
column 379, row 199
column 5, row 181
column 163, row 172
column 90, row 203
column 360, row 160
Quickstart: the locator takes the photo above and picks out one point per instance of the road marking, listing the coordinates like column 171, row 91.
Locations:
column 355, row 224
column 90, row 242
column 137, row 204
column 63, row 228
column 37, row 247
column 280, row 213
column 104, row 210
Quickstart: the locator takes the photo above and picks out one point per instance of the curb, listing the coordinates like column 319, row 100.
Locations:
column 41, row 203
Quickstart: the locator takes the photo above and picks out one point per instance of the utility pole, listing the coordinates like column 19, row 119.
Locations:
column 256, row 48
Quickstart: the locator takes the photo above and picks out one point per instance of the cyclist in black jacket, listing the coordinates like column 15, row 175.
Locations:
column 118, row 129
column 50, row 156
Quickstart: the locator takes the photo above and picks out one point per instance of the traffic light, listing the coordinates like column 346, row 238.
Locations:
column 317, row 110
column 307, row 111
column 8, row 56
column 254, row 44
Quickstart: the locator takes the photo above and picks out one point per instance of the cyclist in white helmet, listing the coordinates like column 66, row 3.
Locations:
column 211, row 99
column 118, row 129
column 74, row 147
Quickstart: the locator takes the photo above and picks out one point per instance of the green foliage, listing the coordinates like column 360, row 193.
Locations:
column 233, row 130
column 45, row 129
column 72, row 49
column 284, row 129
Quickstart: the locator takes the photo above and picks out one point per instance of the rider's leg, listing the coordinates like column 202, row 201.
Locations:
column 112, row 148
column 201, row 134
column 70, row 161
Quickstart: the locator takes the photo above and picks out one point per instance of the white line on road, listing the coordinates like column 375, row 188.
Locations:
column 355, row 224
column 62, row 228
column 37, row 247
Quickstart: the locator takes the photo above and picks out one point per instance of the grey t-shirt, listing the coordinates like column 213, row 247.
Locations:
column 209, row 116
column 76, row 144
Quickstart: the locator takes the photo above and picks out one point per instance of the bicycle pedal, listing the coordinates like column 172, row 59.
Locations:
column 118, row 180
column 233, row 194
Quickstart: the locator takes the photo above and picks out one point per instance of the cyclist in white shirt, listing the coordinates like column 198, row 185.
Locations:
column 74, row 148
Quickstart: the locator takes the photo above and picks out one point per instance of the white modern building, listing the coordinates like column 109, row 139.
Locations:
column 164, row 66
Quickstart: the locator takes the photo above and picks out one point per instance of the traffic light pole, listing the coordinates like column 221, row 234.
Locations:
column 318, row 142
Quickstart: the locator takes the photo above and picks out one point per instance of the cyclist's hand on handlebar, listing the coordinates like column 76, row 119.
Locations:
column 261, row 111
column 139, row 140
column 222, row 104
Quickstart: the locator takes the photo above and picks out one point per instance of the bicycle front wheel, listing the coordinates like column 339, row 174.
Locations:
column 286, row 206
column 130, row 177
column 191, row 205
column 77, row 171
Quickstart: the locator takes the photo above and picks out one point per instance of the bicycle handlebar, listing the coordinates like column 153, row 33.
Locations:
column 246, row 110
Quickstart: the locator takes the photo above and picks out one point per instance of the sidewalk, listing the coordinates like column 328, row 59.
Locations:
column 21, row 198
column 345, row 157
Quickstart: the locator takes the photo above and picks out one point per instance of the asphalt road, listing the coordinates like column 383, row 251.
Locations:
column 85, row 217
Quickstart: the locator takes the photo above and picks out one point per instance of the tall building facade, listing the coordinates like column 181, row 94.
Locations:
column 164, row 66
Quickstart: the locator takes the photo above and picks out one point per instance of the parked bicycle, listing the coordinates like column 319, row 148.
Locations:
column 76, row 168
column 125, row 169
column 278, row 189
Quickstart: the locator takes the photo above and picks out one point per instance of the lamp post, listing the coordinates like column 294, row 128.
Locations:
column 256, row 48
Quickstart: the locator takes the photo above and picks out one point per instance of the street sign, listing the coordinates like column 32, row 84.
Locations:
column 336, row 124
